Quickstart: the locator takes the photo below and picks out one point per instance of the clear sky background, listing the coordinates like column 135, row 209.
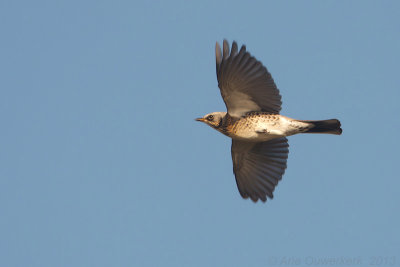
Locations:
column 102, row 164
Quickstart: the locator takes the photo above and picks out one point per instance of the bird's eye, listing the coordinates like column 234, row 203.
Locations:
column 210, row 118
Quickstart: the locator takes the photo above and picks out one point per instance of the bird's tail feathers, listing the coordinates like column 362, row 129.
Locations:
column 331, row 126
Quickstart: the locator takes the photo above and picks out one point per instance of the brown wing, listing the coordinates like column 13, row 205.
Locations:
column 258, row 167
column 245, row 83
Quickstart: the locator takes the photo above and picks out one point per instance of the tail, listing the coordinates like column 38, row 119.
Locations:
column 326, row 126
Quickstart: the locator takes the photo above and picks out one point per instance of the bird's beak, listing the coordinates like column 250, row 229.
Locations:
column 199, row 119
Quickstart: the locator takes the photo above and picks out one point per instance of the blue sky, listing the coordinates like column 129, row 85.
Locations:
column 102, row 164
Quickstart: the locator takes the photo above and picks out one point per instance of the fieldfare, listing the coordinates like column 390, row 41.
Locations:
column 259, row 145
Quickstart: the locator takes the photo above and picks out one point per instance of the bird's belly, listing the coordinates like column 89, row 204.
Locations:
column 259, row 131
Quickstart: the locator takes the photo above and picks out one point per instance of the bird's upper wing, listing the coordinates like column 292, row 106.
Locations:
column 246, row 85
column 258, row 167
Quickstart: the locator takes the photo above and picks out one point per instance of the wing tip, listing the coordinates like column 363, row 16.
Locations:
column 255, row 199
column 226, row 51
column 218, row 54
column 234, row 49
column 263, row 198
column 225, row 48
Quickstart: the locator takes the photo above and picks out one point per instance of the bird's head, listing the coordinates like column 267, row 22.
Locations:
column 213, row 119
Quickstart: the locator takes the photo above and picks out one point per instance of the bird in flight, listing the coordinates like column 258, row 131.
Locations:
column 259, row 144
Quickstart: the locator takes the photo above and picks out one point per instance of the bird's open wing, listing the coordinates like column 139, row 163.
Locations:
column 258, row 167
column 245, row 83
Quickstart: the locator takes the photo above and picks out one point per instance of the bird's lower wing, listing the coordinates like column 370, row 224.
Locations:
column 258, row 167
